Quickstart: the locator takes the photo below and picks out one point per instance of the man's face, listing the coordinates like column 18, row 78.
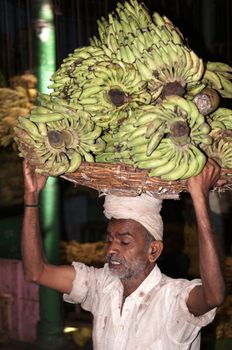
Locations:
column 127, row 253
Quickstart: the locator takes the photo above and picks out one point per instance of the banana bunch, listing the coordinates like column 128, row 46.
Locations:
column 131, row 24
column 218, row 75
column 56, row 138
column 26, row 81
column 13, row 103
column 75, row 70
column 169, row 138
column 221, row 119
column 117, row 149
column 221, row 132
column 176, row 117
column 165, row 138
column 137, row 94
column 88, row 253
column 115, row 91
column 221, row 148
column 154, row 46
column 171, row 162
column 172, row 69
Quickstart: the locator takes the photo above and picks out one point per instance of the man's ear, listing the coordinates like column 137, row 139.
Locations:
column 156, row 248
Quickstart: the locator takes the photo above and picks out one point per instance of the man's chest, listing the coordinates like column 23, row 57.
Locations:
column 136, row 325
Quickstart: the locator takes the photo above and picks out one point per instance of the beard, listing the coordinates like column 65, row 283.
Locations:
column 124, row 269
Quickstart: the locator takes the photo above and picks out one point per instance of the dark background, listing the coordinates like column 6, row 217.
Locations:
column 205, row 23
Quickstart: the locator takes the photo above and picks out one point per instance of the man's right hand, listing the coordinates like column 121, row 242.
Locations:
column 33, row 182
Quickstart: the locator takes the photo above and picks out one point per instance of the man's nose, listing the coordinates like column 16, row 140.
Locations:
column 112, row 248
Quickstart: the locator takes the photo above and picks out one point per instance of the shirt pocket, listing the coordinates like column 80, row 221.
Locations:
column 157, row 345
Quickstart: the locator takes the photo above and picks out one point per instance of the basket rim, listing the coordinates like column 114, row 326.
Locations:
column 123, row 179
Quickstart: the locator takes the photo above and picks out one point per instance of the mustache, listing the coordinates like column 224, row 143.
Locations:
column 111, row 257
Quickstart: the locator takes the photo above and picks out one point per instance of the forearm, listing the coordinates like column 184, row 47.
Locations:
column 210, row 254
column 31, row 245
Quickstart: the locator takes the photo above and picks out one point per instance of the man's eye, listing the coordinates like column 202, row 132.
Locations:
column 125, row 242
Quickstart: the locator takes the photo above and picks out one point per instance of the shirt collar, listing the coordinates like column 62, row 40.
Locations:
column 149, row 283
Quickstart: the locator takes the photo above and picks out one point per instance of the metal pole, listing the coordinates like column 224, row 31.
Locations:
column 50, row 327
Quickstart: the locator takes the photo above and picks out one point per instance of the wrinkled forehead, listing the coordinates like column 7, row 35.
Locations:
column 129, row 226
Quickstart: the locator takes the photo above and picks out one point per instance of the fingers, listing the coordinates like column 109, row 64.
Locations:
column 207, row 179
column 213, row 170
column 214, row 164
column 26, row 167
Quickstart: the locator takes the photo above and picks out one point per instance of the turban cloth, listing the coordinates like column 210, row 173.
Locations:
column 144, row 209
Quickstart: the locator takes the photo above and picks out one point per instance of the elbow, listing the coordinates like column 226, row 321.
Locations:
column 217, row 299
column 32, row 276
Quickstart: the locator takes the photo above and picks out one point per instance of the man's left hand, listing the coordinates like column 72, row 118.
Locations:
column 206, row 180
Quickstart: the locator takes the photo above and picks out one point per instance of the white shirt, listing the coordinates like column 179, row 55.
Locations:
column 153, row 317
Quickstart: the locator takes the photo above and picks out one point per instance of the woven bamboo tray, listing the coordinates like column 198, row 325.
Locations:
column 122, row 179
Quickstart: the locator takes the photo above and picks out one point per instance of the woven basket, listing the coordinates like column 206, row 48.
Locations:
column 125, row 180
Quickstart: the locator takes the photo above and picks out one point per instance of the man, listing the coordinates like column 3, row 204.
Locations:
column 134, row 305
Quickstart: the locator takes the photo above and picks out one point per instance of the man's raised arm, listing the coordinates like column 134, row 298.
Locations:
column 212, row 292
column 36, row 268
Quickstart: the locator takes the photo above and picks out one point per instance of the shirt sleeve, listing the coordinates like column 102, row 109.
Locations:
column 86, row 286
column 182, row 326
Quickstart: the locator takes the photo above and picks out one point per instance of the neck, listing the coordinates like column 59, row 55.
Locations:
column 132, row 283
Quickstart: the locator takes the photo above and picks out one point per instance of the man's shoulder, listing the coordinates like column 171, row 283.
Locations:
column 176, row 285
column 102, row 274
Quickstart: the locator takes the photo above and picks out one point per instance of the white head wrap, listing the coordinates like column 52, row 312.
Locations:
column 144, row 209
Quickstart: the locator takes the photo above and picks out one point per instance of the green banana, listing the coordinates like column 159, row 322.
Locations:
column 155, row 140
column 153, row 126
column 29, row 126
column 44, row 118
column 181, row 168
column 165, row 168
column 217, row 124
column 193, row 166
column 75, row 162
column 218, row 66
column 213, row 78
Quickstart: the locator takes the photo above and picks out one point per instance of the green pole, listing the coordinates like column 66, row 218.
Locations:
column 50, row 327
